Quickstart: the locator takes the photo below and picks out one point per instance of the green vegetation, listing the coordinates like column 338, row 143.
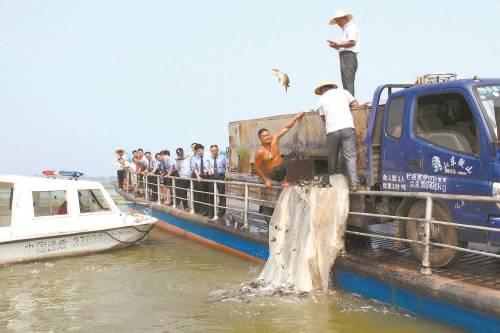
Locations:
column 242, row 152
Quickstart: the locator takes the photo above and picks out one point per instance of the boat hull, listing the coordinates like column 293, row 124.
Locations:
column 71, row 244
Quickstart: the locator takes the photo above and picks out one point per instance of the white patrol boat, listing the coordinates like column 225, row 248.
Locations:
column 44, row 217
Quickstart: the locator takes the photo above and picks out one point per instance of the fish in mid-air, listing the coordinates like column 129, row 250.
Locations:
column 282, row 78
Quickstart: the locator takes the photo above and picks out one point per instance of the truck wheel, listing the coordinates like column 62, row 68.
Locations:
column 438, row 256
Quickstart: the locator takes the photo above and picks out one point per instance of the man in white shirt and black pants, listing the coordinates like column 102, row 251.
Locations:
column 348, row 48
column 335, row 110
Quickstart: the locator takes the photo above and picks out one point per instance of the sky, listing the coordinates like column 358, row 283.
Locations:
column 79, row 79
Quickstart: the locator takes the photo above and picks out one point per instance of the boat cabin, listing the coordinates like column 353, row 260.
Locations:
column 38, row 203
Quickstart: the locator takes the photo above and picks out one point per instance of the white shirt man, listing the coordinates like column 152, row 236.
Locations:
column 183, row 166
column 120, row 153
column 348, row 48
column 334, row 108
column 334, row 105
column 144, row 162
column 350, row 33
column 124, row 164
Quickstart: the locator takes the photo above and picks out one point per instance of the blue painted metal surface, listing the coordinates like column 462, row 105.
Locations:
column 257, row 250
column 402, row 298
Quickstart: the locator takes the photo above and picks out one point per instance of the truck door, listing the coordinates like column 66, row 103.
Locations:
column 444, row 154
column 393, row 145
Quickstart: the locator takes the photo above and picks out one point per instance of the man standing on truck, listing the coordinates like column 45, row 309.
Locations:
column 335, row 110
column 348, row 48
column 268, row 160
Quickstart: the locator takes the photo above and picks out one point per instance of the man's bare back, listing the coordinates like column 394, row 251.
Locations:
column 268, row 160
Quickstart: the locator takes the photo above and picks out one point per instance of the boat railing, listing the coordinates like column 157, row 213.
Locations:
column 150, row 187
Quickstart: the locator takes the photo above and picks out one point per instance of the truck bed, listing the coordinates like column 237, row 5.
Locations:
column 304, row 147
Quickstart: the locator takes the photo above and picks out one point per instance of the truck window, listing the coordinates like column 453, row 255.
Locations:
column 49, row 203
column 92, row 201
column 446, row 120
column 395, row 117
column 489, row 97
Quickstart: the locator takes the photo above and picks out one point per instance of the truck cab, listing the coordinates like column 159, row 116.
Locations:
column 439, row 138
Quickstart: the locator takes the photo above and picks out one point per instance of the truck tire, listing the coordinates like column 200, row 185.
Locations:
column 438, row 256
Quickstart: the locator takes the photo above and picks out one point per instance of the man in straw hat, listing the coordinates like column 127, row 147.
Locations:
column 334, row 108
column 348, row 48
column 120, row 168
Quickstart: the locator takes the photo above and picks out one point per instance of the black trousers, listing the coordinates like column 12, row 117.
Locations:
column 153, row 187
column 181, row 187
column 140, row 185
column 221, row 189
column 201, row 196
column 169, row 184
column 348, row 68
column 121, row 177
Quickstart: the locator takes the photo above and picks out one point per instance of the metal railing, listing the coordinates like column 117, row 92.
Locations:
column 142, row 185
column 186, row 191
column 428, row 220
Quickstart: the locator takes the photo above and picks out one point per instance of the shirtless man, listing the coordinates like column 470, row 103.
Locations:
column 268, row 161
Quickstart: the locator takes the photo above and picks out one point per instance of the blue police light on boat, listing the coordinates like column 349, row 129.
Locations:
column 62, row 174
column 73, row 174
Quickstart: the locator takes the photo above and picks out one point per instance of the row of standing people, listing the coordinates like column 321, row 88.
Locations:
column 198, row 166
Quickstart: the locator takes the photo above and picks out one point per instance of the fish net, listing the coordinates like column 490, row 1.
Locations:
column 306, row 236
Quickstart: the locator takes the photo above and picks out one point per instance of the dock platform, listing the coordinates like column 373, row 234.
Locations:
column 465, row 294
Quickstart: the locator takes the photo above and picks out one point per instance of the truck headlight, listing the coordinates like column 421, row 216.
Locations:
column 495, row 192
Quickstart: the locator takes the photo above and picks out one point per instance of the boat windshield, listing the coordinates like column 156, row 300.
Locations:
column 92, row 201
column 489, row 99
column 6, row 190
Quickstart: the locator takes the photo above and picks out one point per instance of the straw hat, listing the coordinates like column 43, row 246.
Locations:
column 324, row 83
column 119, row 150
column 340, row 13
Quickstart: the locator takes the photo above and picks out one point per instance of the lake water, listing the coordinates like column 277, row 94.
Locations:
column 168, row 284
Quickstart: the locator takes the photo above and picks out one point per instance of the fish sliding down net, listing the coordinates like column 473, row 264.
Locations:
column 306, row 235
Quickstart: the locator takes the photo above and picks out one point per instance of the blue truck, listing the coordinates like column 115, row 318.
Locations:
column 438, row 137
